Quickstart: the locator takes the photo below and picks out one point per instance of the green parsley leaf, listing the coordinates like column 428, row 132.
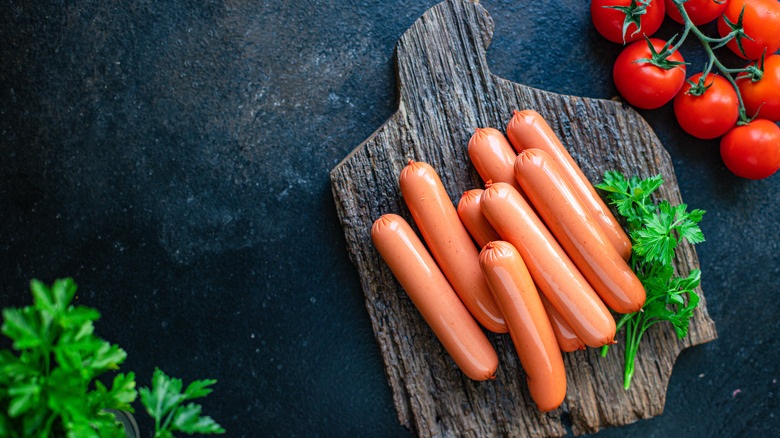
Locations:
column 164, row 403
column 188, row 420
column 24, row 396
column 23, row 326
column 163, row 396
column 121, row 394
column 198, row 389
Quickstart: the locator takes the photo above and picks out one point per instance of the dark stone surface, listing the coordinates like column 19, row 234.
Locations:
column 173, row 158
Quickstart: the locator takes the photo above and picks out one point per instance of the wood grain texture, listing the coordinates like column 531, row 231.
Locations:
column 447, row 91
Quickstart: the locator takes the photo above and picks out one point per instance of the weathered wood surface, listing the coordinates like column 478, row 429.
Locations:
column 446, row 91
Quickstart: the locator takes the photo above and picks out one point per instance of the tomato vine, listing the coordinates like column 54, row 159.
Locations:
column 738, row 33
column 651, row 80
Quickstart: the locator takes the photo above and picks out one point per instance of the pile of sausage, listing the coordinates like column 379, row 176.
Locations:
column 540, row 224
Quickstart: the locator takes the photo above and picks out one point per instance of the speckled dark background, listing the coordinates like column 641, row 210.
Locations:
column 173, row 157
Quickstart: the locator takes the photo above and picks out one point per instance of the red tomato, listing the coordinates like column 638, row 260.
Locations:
column 752, row 151
column 761, row 22
column 710, row 114
column 699, row 11
column 764, row 93
column 609, row 22
column 643, row 84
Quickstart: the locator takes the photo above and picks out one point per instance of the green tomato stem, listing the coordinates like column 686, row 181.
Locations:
column 713, row 60
column 721, row 40
column 708, row 67
column 686, row 30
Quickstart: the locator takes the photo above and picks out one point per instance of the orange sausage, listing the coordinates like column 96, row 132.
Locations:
column 471, row 215
column 492, row 156
column 433, row 296
column 528, row 324
column 552, row 270
column 449, row 242
column 578, row 233
column 567, row 339
column 528, row 129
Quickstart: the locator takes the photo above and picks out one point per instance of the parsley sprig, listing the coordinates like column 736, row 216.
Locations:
column 656, row 230
column 49, row 385
column 164, row 402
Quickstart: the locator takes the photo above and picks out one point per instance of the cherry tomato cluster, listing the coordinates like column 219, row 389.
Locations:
column 739, row 105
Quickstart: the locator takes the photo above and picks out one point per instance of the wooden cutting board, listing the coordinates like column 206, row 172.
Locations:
column 447, row 91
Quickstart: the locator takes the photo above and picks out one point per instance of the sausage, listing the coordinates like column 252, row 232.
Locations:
column 578, row 233
column 433, row 296
column 528, row 324
column 528, row 129
column 567, row 339
column 492, row 156
column 552, row 270
column 449, row 242
column 471, row 215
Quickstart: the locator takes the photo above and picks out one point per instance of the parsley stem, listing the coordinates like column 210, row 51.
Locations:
column 649, row 323
column 49, row 423
column 634, row 332
column 168, row 419
column 630, row 353
column 643, row 207
column 621, row 322
column 157, row 418
column 624, row 319
column 651, row 299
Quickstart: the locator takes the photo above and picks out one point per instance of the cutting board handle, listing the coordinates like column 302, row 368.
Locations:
column 443, row 72
column 445, row 52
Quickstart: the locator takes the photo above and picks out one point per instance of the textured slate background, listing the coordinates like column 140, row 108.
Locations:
column 173, row 157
